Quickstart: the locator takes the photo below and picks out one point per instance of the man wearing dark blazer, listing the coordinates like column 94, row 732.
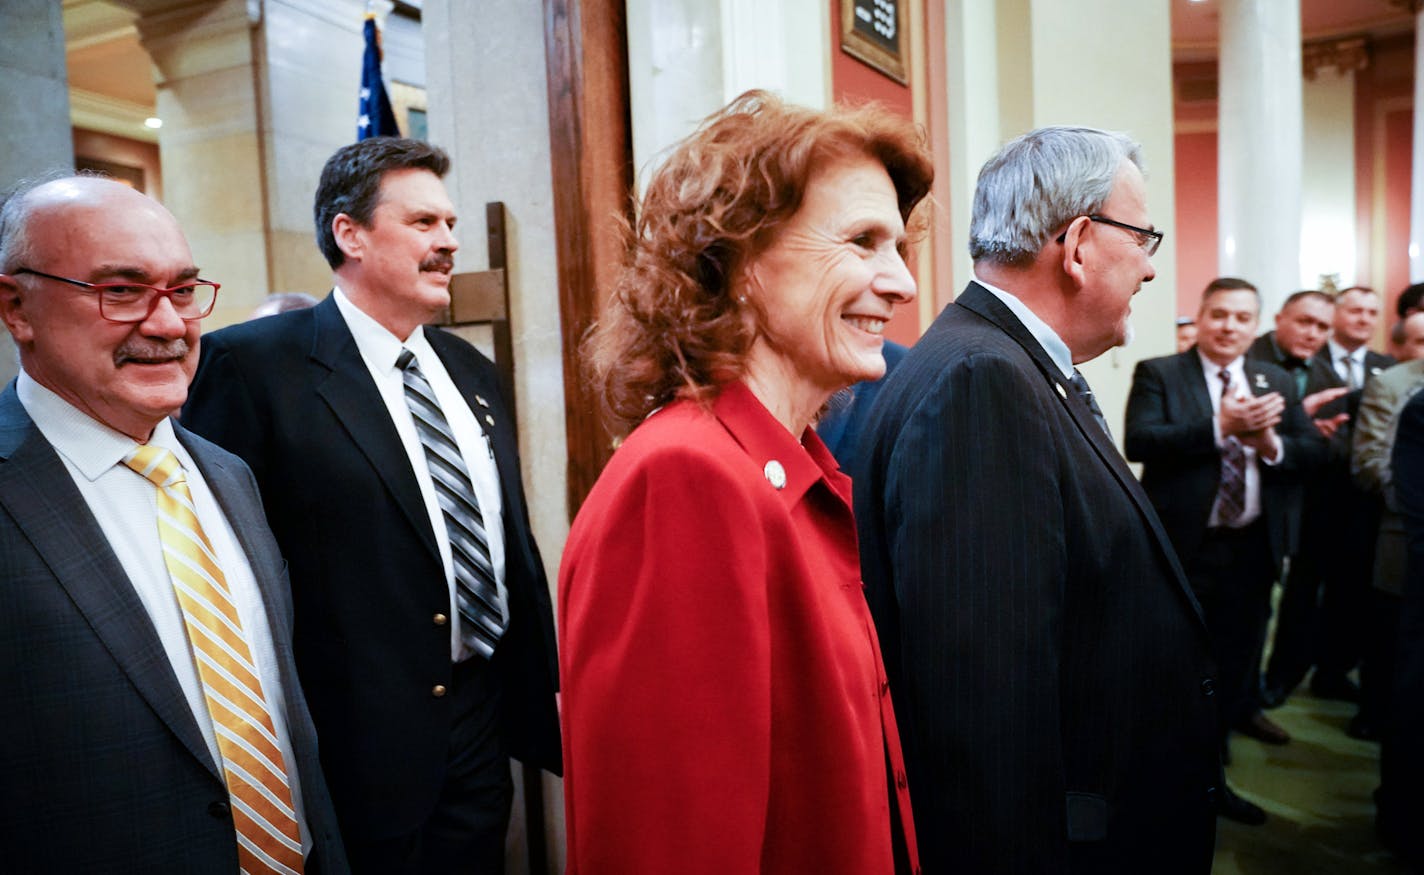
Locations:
column 127, row 737
column 1302, row 326
column 1221, row 438
column 1399, row 799
column 1050, row 664
column 389, row 468
column 1321, row 621
column 1373, row 444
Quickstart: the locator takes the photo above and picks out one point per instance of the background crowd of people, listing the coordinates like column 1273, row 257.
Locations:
column 958, row 635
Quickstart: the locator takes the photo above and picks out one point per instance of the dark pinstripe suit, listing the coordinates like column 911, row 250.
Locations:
column 104, row 768
column 1050, row 662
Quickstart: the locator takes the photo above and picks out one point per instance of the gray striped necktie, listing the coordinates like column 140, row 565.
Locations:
column 482, row 612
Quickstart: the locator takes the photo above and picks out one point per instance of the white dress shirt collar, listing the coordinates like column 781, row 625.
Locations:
column 1047, row 338
column 1237, row 369
column 1338, row 352
column 90, row 445
column 378, row 346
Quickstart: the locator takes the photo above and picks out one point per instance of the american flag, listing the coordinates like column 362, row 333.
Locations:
column 374, row 117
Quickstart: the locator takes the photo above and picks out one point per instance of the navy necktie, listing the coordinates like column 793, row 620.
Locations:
column 1085, row 392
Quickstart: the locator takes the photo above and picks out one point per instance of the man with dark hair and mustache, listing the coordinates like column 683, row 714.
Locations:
column 151, row 701
column 389, row 467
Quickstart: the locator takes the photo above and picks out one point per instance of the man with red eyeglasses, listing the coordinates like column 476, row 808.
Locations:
column 151, row 702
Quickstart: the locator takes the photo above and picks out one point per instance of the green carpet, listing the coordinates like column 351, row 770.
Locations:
column 1316, row 793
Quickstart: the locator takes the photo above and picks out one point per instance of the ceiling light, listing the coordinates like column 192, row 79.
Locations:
column 153, row 122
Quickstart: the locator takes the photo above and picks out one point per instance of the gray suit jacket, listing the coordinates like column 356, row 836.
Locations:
column 105, row 768
column 1384, row 397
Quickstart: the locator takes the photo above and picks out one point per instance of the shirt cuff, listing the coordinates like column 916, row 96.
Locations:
column 1280, row 455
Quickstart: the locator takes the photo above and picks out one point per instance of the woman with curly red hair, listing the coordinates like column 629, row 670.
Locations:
column 725, row 707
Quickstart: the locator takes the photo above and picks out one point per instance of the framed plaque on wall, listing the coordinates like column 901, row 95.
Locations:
column 874, row 32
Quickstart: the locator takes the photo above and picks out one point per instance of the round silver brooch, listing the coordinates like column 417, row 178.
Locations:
column 775, row 474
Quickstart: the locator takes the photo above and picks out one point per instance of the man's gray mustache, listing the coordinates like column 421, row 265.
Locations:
column 150, row 352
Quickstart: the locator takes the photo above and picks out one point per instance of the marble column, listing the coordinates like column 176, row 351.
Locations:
column 254, row 98
column 488, row 98
column 687, row 58
column 210, row 143
column 35, row 105
column 1127, row 87
column 1259, row 145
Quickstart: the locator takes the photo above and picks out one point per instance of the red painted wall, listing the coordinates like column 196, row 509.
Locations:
column 1383, row 167
column 851, row 81
column 1196, row 219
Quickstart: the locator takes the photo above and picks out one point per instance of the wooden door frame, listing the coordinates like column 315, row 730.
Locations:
column 590, row 134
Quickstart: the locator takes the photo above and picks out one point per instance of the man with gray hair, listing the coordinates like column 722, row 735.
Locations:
column 1051, row 661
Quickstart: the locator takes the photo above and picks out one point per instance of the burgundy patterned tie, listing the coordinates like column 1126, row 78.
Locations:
column 1231, row 495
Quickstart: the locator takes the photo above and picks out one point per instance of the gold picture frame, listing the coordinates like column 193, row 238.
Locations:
column 873, row 31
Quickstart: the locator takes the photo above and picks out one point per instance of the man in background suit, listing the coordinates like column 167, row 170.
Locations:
column 1050, row 661
column 1399, row 800
column 1322, row 619
column 130, row 706
column 1302, row 327
column 1384, row 397
column 1220, row 437
column 389, row 467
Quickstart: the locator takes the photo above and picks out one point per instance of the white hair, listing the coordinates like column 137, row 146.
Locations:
column 1038, row 183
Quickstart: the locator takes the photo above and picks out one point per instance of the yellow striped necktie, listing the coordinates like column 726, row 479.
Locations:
column 268, row 840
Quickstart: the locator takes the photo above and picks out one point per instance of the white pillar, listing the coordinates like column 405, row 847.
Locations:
column 975, row 127
column 487, row 89
column 35, row 104
column 1416, row 183
column 688, row 58
column 1128, row 87
column 1259, row 145
column 1327, row 241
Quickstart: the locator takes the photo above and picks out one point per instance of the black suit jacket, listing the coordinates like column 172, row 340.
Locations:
column 1327, row 497
column 1169, row 430
column 105, row 768
column 1049, row 664
column 291, row 395
column 839, row 429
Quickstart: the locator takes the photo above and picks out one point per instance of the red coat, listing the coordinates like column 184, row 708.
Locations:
column 725, row 708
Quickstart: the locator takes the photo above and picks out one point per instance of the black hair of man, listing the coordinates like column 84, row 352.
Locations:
column 1309, row 293
column 351, row 182
column 1230, row 284
column 1412, row 298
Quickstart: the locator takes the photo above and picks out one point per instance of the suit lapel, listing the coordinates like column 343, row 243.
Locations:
column 40, row 496
column 983, row 302
column 242, row 516
column 346, row 386
column 1192, row 378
